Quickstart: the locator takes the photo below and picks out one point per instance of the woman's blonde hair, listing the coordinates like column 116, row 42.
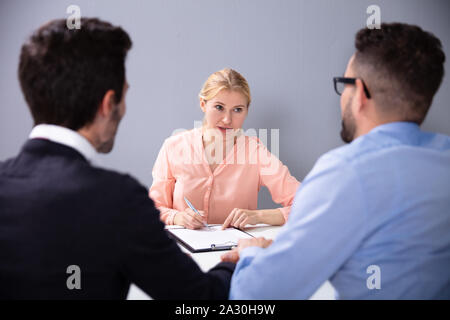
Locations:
column 225, row 79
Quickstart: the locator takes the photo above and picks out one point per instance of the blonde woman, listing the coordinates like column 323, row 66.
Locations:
column 217, row 168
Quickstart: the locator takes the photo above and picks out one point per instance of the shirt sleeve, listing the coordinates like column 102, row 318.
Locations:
column 161, row 191
column 276, row 177
column 325, row 227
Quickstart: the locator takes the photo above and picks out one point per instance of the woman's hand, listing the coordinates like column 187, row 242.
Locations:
column 233, row 255
column 189, row 219
column 239, row 218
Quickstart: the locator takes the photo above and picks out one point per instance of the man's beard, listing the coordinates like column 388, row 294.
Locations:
column 348, row 124
column 107, row 146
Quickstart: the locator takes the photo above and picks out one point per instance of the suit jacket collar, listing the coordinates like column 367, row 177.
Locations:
column 43, row 147
column 65, row 137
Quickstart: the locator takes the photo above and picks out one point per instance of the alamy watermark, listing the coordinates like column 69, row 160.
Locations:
column 374, row 280
column 74, row 280
column 250, row 148
column 374, row 20
column 74, row 20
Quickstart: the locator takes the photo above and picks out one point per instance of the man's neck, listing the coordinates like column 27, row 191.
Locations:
column 88, row 134
column 65, row 136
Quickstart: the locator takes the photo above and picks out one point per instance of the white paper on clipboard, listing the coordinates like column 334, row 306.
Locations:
column 209, row 239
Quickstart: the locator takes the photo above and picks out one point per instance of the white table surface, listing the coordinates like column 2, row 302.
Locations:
column 207, row 260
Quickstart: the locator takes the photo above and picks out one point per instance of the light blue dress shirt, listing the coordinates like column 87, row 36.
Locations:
column 372, row 217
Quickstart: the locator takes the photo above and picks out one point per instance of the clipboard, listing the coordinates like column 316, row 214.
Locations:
column 204, row 240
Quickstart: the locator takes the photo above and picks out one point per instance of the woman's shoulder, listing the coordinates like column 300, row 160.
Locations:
column 181, row 136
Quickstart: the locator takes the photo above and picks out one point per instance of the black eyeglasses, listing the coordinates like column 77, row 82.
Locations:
column 340, row 82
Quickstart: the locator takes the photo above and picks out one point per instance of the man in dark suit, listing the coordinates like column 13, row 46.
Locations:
column 69, row 229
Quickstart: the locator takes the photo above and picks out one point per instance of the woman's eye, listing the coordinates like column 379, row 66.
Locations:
column 219, row 107
column 238, row 109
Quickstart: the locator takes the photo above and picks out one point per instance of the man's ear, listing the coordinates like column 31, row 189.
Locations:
column 107, row 104
column 360, row 96
column 203, row 104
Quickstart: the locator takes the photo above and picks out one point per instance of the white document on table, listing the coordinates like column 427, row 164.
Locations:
column 211, row 239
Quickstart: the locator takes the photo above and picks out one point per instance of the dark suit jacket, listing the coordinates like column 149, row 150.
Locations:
column 56, row 210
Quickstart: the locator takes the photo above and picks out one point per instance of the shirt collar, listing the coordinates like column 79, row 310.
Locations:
column 66, row 137
column 398, row 126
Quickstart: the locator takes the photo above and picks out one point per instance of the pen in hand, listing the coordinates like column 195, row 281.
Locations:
column 195, row 210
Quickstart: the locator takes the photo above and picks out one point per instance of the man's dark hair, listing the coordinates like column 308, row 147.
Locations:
column 403, row 67
column 64, row 74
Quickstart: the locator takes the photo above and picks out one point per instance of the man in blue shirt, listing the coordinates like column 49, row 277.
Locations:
column 372, row 217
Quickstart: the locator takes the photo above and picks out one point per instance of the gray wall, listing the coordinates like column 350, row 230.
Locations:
column 287, row 50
